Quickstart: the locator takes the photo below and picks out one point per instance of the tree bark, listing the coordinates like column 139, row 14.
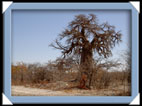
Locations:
column 86, row 67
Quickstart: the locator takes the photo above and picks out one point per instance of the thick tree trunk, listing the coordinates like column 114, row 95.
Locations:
column 86, row 67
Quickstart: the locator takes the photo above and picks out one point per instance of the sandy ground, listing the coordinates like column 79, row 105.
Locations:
column 27, row 91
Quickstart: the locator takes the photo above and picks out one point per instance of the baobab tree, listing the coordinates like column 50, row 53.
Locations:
column 85, row 36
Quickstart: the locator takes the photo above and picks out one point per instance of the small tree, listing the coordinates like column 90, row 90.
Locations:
column 83, row 37
column 101, row 72
column 127, row 69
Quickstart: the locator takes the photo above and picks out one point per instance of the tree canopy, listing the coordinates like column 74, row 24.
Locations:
column 77, row 34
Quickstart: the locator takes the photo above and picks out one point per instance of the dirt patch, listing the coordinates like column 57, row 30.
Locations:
column 28, row 91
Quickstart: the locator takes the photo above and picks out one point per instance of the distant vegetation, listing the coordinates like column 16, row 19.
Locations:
column 67, row 71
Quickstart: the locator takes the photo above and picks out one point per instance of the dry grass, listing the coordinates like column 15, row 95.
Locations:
column 59, row 89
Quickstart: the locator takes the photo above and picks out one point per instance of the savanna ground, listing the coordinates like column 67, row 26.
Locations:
column 50, row 80
column 30, row 91
column 102, row 87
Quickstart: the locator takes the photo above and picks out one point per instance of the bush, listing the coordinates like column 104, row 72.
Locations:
column 102, row 79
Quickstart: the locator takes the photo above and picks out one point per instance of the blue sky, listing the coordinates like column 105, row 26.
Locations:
column 33, row 31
